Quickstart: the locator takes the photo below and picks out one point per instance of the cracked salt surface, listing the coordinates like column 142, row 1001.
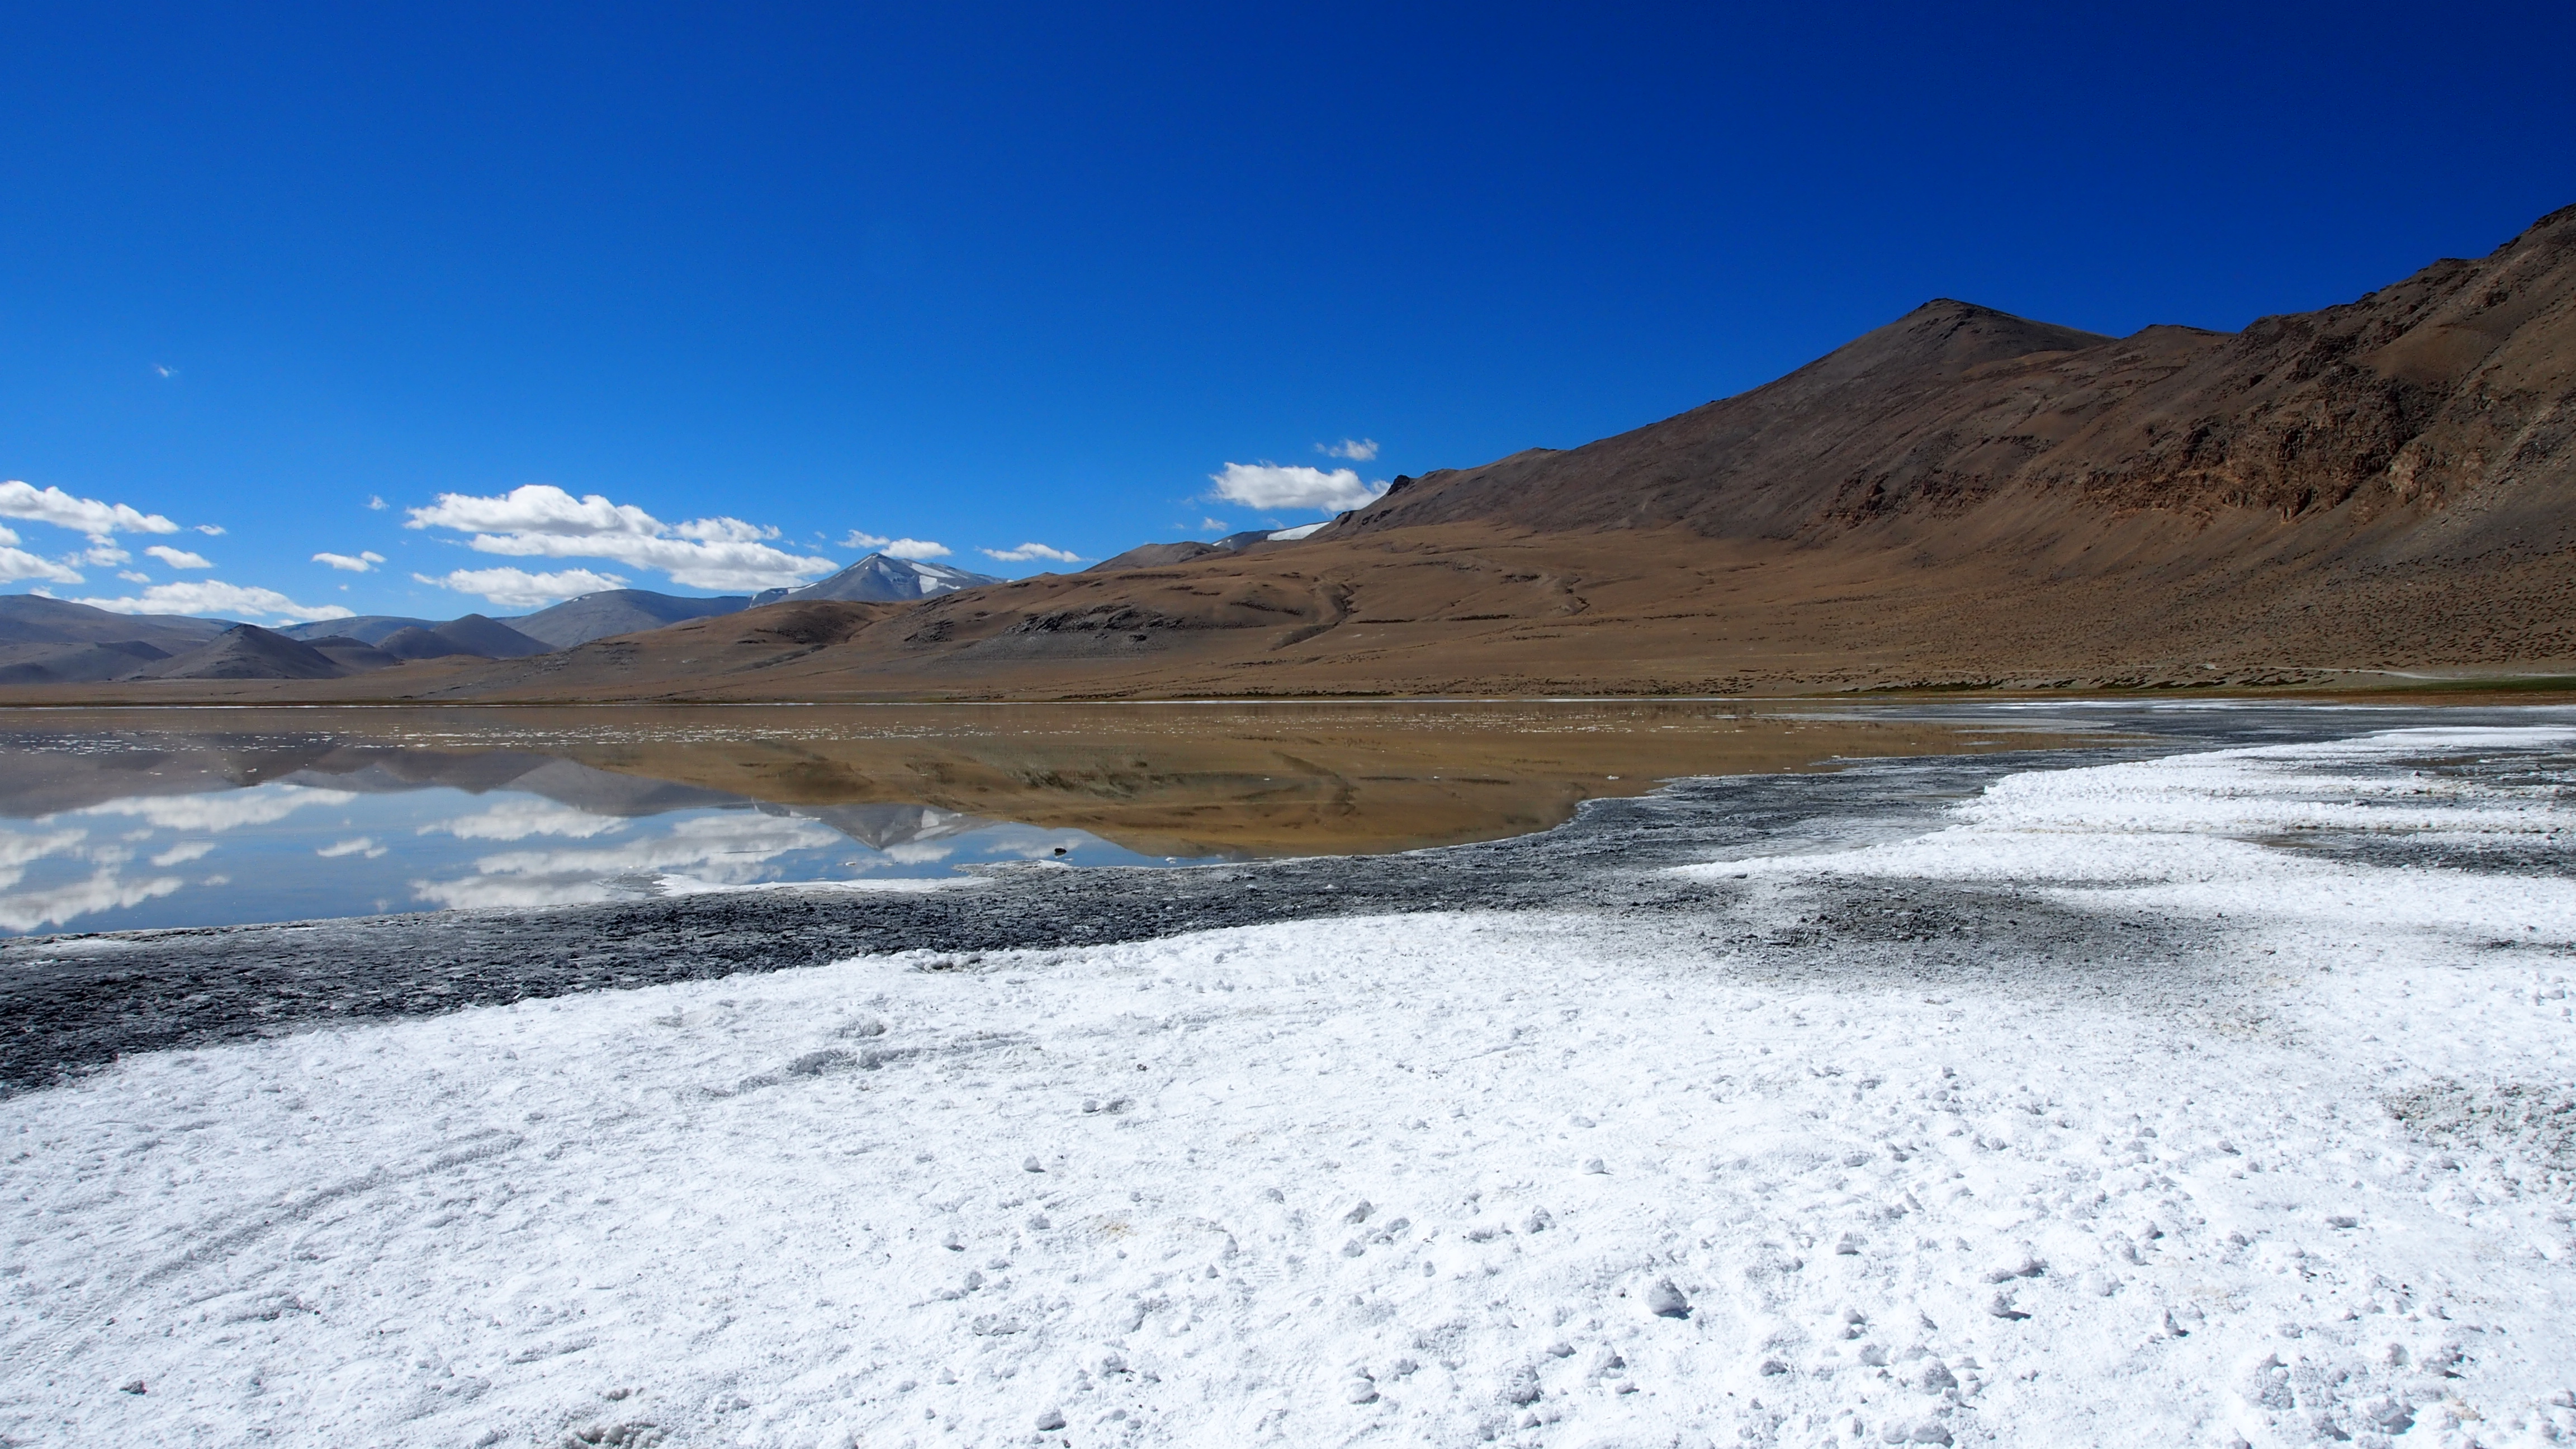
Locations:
column 1826, row 1157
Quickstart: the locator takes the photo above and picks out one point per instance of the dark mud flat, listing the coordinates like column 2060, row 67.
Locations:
column 78, row 1002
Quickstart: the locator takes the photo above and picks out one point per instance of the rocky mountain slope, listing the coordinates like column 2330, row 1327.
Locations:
column 618, row 611
column 52, row 641
column 472, row 635
column 2437, row 408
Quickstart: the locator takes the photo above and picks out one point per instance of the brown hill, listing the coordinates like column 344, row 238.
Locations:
column 2444, row 395
column 1959, row 497
column 248, row 652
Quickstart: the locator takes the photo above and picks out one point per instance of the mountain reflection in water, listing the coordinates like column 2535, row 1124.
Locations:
column 145, row 818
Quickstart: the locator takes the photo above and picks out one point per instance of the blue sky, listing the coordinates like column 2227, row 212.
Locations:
column 980, row 277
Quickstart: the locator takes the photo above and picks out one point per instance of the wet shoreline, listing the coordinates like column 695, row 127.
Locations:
column 78, row 1002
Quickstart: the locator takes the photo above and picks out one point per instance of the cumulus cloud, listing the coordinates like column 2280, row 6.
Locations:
column 1028, row 551
column 213, row 596
column 17, row 852
column 211, row 530
column 1271, row 486
column 133, row 577
column 364, row 845
column 16, row 564
column 519, row 819
column 179, row 558
column 80, row 515
column 364, row 562
column 104, row 554
column 540, row 520
column 376, row 502
column 183, row 852
column 730, row 849
column 520, row 589
column 1358, row 450
column 60, row 906
column 895, row 547
column 222, row 809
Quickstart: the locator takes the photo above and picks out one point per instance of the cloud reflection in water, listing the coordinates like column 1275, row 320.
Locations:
column 731, row 848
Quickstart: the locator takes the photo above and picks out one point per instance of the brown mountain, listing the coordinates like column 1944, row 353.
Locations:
column 249, row 652
column 2384, row 487
column 2445, row 392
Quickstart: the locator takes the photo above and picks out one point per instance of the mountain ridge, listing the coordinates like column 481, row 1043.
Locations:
column 2396, row 397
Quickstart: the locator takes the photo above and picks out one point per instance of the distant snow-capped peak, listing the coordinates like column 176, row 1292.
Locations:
column 880, row 579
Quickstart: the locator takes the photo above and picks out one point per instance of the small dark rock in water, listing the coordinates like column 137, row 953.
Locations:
column 1666, row 1301
column 135, row 1387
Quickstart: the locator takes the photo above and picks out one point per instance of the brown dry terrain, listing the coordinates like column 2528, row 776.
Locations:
column 1961, row 498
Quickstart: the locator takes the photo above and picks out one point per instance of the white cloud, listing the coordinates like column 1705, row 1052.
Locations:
column 1358, row 450
column 1027, row 551
column 364, row 845
column 183, row 852
column 17, row 852
column 80, row 515
column 222, row 809
column 1212, row 523
column 364, row 562
column 164, row 370
column 727, row 849
column 212, row 596
column 132, row 577
column 540, row 520
column 896, row 547
column 211, row 530
column 179, row 558
column 519, row 819
column 104, row 554
column 63, row 904
column 520, row 589
column 17, row 563
column 376, row 503
column 1271, row 486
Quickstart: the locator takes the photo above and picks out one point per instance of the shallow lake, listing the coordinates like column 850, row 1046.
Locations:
column 125, row 819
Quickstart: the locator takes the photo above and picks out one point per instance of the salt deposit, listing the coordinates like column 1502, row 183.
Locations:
column 1578, row 1178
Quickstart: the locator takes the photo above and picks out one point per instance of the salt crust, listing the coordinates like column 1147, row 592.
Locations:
column 1431, row 1179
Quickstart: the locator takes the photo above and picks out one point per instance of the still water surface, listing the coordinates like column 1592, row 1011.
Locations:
column 125, row 819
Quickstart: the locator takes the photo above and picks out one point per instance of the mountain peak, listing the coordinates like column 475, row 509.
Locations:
column 880, row 579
